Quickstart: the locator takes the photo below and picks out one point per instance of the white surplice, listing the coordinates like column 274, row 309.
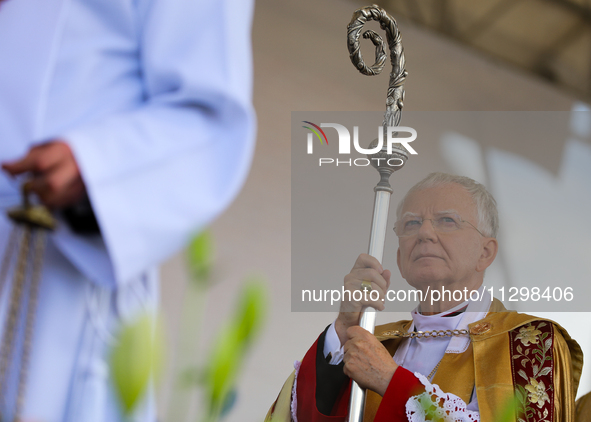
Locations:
column 154, row 98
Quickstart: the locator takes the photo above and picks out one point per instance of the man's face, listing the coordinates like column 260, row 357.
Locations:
column 451, row 259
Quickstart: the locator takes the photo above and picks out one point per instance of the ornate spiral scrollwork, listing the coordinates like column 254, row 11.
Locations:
column 395, row 98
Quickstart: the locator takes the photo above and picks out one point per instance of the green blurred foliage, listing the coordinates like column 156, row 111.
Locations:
column 137, row 356
column 251, row 311
column 509, row 410
column 200, row 258
column 136, row 359
column 228, row 352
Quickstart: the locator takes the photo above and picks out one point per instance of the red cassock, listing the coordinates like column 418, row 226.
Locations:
column 392, row 407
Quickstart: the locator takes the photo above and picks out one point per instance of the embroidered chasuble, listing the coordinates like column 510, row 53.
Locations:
column 499, row 363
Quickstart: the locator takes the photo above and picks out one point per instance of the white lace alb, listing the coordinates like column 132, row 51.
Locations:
column 294, row 394
column 435, row 405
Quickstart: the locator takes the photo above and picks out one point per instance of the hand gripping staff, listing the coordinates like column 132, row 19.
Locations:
column 392, row 116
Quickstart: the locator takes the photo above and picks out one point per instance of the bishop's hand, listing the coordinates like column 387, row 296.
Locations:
column 55, row 176
column 366, row 268
column 367, row 361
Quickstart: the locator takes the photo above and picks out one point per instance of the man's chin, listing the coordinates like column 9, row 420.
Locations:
column 424, row 279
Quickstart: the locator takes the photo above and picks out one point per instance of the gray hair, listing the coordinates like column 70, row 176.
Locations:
column 488, row 216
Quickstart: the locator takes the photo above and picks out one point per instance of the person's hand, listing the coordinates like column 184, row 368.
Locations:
column 367, row 361
column 366, row 268
column 55, row 176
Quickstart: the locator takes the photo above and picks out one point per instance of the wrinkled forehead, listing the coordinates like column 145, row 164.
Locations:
column 434, row 200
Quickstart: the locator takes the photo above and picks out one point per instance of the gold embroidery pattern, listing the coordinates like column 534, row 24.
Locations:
column 532, row 367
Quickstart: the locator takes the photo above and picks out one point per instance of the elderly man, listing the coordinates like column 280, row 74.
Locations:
column 472, row 357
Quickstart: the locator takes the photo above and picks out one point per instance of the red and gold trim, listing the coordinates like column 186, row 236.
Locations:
column 532, row 365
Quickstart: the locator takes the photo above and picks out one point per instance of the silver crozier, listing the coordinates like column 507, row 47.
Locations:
column 380, row 160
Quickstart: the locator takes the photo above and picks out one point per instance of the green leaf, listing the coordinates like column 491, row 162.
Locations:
column 228, row 352
column 223, row 367
column 200, row 257
column 521, row 394
column 251, row 311
column 547, row 344
column 136, row 358
column 509, row 410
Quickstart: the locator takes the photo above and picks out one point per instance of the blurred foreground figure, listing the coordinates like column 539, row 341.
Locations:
column 454, row 361
column 133, row 121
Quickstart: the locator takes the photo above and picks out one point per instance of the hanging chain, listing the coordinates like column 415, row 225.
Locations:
column 11, row 325
column 39, row 245
column 10, row 249
column 33, row 222
column 425, row 334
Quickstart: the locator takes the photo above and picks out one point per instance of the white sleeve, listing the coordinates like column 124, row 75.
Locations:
column 434, row 404
column 332, row 345
column 159, row 173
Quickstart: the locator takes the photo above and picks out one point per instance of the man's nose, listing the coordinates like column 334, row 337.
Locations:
column 427, row 231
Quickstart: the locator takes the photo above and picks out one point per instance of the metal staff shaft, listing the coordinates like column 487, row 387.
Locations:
column 394, row 104
column 377, row 239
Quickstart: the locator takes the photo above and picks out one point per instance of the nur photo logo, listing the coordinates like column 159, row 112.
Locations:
column 315, row 131
column 344, row 143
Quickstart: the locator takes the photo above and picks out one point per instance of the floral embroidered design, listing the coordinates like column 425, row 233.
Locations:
column 537, row 392
column 532, row 366
column 528, row 335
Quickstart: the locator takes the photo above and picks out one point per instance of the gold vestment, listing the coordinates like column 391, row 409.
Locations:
column 583, row 408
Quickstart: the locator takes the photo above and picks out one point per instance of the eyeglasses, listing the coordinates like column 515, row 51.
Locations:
column 410, row 226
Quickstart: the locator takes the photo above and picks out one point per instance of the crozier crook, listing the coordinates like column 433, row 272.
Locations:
column 395, row 97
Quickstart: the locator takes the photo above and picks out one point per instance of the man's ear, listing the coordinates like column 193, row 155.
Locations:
column 490, row 248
